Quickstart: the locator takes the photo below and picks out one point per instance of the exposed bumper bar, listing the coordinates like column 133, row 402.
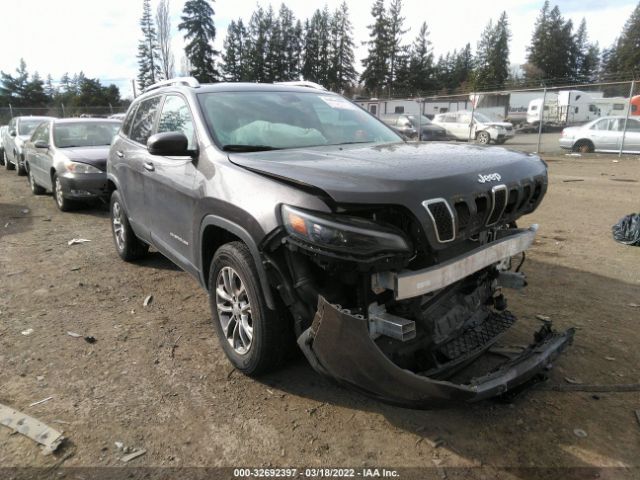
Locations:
column 338, row 345
column 408, row 284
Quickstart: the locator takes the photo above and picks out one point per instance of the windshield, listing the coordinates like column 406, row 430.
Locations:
column 246, row 121
column 481, row 117
column 419, row 120
column 84, row 134
column 26, row 127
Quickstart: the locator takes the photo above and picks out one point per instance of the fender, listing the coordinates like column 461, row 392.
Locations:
column 243, row 235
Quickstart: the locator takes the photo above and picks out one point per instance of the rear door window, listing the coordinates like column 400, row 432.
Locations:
column 144, row 120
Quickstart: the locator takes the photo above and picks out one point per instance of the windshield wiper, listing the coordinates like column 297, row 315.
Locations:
column 248, row 148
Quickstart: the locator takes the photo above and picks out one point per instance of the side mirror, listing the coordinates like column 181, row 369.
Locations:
column 41, row 144
column 12, row 133
column 169, row 144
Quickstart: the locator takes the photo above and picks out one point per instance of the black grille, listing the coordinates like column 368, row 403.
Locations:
column 479, row 336
column 442, row 219
column 464, row 215
column 499, row 203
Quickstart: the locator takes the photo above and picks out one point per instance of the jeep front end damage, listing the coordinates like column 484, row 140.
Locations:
column 338, row 345
column 406, row 330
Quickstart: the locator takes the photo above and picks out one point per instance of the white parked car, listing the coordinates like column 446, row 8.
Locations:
column 482, row 128
column 602, row 135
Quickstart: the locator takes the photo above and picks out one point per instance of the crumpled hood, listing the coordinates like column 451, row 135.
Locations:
column 399, row 173
column 96, row 156
column 499, row 124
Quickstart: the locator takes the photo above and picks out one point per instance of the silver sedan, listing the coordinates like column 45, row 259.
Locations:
column 603, row 135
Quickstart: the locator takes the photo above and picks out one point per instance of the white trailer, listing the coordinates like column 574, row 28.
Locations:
column 570, row 107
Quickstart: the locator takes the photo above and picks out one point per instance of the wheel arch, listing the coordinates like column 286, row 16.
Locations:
column 216, row 231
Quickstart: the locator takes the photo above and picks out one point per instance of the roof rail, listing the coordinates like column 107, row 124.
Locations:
column 302, row 83
column 186, row 81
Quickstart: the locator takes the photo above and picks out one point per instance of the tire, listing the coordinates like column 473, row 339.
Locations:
column 7, row 164
column 63, row 203
column 128, row 245
column 583, row 146
column 21, row 171
column 2, row 160
column 483, row 138
column 35, row 188
column 269, row 342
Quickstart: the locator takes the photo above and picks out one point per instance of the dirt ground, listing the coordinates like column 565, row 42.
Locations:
column 157, row 379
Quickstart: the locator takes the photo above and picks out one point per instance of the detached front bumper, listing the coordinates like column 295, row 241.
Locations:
column 338, row 345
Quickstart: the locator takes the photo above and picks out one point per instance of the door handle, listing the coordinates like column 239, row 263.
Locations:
column 148, row 166
column 119, row 153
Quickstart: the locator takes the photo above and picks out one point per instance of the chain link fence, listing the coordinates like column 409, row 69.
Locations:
column 577, row 119
column 59, row 111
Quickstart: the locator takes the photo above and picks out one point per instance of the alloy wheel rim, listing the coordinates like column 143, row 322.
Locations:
column 59, row 196
column 32, row 181
column 118, row 228
column 234, row 310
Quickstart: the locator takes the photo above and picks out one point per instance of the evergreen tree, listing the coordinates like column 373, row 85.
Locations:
column 235, row 52
column 421, row 66
column 49, row 89
column 552, row 53
column 311, row 68
column 258, row 46
column 65, row 83
column 290, row 44
column 343, row 73
column 492, row 56
column 376, row 68
column 14, row 88
column 587, row 55
column 166, row 61
column 148, row 64
column 396, row 51
column 200, row 32
column 624, row 55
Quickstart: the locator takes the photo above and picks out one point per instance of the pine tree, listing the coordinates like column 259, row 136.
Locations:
column 13, row 88
column 397, row 51
column 376, row 68
column 258, row 45
column 343, row 73
column 624, row 55
column 235, row 52
column 290, row 41
column 421, row 63
column 311, row 69
column 587, row 55
column 148, row 65
column 552, row 52
column 200, row 32
column 492, row 56
column 49, row 89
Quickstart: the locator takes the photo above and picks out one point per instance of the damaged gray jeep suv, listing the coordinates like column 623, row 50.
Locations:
column 307, row 219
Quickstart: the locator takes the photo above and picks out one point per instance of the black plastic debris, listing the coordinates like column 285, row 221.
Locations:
column 627, row 230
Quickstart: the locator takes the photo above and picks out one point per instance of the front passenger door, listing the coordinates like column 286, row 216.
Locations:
column 170, row 188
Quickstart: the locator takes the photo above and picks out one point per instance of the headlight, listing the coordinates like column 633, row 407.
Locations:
column 349, row 235
column 77, row 167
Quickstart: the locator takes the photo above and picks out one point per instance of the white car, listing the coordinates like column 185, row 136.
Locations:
column 482, row 128
column 602, row 135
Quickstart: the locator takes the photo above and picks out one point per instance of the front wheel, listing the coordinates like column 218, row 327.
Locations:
column 252, row 336
column 62, row 202
column 128, row 245
column 483, row 138
column 7, row 164
column 35, row 188
column 20, row 168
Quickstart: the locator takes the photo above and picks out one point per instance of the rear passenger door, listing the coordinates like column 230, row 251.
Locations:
column 170, row 187
column 632, row 137
column 131, row 171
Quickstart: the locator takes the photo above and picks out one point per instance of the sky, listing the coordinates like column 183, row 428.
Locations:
column 100, row 37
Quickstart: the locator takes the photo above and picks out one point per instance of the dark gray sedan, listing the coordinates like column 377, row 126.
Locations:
column 69, row 158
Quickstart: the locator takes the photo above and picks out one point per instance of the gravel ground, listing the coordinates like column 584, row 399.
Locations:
column 156, row 378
